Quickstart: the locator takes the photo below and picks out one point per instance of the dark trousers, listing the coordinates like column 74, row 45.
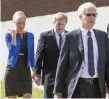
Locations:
column 87, row 88
column 48, row 92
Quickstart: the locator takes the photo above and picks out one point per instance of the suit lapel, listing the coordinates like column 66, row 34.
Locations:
column 54, row 40
column 80, row 42
column 98, row 38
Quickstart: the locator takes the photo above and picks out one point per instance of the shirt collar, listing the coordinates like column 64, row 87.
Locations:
column 84, row 31
column 58, row 34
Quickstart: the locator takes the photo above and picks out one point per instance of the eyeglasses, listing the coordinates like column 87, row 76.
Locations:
column 91, row 14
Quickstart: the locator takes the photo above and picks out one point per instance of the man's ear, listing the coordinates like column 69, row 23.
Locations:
column 80, row 17
column 53, row 22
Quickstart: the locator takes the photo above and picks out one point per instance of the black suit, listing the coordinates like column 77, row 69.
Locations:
column 71, row 59
column 46, row 60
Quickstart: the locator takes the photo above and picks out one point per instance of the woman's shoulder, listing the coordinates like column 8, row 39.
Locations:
column 7, row 34
column 29, row 33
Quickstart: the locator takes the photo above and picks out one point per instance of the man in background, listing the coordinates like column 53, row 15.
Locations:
column 48, row 50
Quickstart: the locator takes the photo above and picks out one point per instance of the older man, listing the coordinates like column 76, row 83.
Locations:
column 84, row 59
column 47, row 53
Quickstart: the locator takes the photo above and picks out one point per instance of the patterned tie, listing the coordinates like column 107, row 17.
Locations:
column 91, row 69
column 60, row 41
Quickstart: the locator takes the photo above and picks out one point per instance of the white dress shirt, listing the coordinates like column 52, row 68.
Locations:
column 84, row 71
column 57, row 37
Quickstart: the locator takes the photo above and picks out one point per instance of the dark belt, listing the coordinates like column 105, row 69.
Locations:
column 89, row 80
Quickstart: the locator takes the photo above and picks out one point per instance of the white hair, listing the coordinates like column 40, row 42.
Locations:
column 83, row 7
column 19, row 15
column 60, row 15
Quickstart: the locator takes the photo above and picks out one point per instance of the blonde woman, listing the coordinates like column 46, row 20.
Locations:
column 20, row 45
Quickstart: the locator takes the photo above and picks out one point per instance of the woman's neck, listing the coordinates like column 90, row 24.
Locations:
column 20, row 32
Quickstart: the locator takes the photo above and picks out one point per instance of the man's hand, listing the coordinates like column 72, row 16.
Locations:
column 57, row 96
column 37, row 79
column 107, row 90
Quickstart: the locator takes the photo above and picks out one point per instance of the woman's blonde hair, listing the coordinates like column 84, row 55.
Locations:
column 19, row 15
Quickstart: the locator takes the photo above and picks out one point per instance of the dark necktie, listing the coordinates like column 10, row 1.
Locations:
column 60, row 41
column 91, row 69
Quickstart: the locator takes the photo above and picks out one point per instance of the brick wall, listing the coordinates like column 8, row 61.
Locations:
column 34, row 8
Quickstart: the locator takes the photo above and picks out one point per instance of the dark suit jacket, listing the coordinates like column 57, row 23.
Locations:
column 47, row 57
column 71, row 59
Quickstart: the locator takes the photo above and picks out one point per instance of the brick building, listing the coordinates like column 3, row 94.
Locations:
column 33, row 8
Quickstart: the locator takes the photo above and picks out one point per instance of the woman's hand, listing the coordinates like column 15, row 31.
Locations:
column 33, row 73
column 13, row 34
column 35, row 77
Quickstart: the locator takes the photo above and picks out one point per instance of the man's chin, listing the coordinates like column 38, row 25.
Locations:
column 91, row 24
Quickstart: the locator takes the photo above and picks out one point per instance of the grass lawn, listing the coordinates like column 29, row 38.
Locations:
column 36, row 93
